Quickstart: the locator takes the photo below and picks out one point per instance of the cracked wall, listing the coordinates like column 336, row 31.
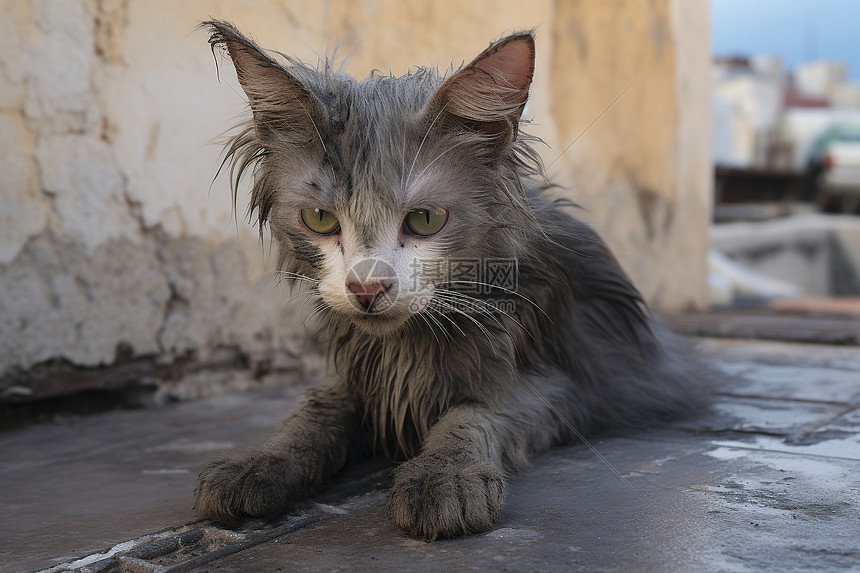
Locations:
column 643, row 169
column 114, row 245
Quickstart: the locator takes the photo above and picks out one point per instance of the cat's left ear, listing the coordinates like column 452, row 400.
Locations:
column 489, row 94
column 284, row 109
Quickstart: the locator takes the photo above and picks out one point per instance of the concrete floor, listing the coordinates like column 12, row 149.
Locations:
column 770, row 480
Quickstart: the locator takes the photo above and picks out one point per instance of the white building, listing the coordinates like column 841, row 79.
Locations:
column 819, row 79
column 747, row 104
column 763, row 119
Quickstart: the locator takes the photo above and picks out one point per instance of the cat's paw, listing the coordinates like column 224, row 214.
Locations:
column 230, row 490
column 436, row 497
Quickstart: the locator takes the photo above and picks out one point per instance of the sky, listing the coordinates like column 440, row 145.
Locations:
column 796, row 30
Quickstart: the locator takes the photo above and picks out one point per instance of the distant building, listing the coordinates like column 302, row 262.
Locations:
column 747, row 104
column 846, row 95
column 767, row 119
column 819, row 79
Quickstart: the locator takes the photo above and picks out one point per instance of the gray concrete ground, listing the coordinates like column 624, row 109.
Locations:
column 770, row 480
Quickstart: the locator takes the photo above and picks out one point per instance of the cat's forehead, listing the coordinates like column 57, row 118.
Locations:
column 373, row 133
column 376, row 95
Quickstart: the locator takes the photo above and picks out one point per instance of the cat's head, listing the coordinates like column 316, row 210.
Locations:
column 375, row 190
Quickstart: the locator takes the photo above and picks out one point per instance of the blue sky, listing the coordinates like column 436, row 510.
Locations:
column 797, row 30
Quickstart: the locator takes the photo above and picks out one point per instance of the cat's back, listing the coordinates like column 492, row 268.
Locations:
column 623, row 366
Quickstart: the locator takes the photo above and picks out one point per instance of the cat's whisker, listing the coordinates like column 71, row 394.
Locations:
column 455, row 307
column 402, row 164
column 482, row 308
column 426, row 167
column 488, row 310
column 310, row 296
column 429, row 310
column 297, row 288
column 444, row 315
column 501, row 288
column 293, row 289
column 583, row 132
column 314, row 315
column 296, row 276
column 481, row 327
column 470, row 306
column 426, row 320
column 474, row 304
column 303, row 294
column 423, row 141
column 314, row 124
column 328, row 319
column 316, row 311
column 303, row 290
column 298, row 285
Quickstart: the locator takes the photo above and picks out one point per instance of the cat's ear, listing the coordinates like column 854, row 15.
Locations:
column 489, row 94
column 283, row 107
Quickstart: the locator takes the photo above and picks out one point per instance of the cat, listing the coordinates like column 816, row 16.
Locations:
column 472, row 322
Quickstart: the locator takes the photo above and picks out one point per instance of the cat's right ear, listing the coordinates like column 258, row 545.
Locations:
column 489, row 94
column 284, row 109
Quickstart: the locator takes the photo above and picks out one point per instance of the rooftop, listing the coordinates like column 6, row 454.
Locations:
column 766, row 481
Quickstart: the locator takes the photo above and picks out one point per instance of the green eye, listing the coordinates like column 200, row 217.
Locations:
column 320, row 221
column 425, row 222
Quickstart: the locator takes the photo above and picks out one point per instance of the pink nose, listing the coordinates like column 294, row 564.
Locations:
column 366, row 294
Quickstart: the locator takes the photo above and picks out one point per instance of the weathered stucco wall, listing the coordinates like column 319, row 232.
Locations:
column 642, row 170
column 114, row 247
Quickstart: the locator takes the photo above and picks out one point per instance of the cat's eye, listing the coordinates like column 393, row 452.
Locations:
column 320, row 221
column 425, row 222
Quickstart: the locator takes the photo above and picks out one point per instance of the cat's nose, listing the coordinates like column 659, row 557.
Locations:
column 366, row 293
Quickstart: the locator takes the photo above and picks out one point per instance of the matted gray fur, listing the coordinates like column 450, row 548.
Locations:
column 460, row 377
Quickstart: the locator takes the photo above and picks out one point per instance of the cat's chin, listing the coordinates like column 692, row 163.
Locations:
column 378, row 324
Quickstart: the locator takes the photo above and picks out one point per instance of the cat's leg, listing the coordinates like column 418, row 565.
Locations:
column 310, row 446
column 456, row 485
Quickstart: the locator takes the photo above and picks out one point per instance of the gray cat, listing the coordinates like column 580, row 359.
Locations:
column 472, row 323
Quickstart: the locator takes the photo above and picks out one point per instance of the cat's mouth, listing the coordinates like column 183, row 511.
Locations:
column 374, row 298
column 372, row 290
column 381, row 314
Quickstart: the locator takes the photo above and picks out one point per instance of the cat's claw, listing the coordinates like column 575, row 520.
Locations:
column 433, row 497
column 231, row 490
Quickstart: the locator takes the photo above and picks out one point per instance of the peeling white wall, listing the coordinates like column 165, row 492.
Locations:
column 109, row 235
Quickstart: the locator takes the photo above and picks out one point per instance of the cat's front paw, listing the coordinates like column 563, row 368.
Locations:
column 230, row 490
column 434, row 497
